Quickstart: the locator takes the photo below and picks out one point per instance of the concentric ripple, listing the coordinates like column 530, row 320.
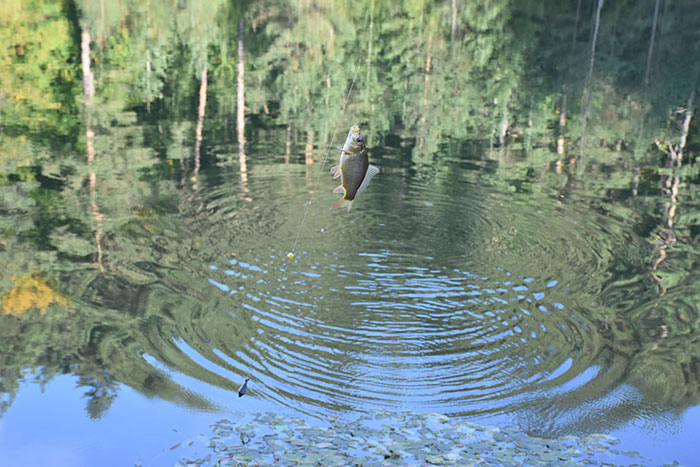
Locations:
column 417, row 300
column 394, row 334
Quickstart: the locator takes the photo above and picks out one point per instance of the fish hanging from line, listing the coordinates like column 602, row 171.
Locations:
column 354, row 169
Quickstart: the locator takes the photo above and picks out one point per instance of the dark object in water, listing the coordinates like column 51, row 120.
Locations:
column 244, row 388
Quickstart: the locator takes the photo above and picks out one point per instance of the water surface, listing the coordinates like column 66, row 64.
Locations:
column 508, row 265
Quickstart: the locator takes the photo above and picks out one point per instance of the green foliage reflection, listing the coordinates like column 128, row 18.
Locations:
column 103, row 214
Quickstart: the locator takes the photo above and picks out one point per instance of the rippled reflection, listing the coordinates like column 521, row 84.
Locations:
column 529, row 253
column 387, row 309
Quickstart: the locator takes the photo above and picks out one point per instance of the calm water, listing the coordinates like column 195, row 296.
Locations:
column 528, row 255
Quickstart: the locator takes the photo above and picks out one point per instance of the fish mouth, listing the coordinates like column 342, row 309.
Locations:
column 355, row 128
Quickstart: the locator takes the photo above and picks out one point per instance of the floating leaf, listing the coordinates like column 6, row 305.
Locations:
column 435, row 460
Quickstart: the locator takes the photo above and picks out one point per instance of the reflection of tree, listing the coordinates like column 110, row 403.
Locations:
column 444, row 79
column 670, row 185
column 240, row 101
column 100, row 350
column 89, row 97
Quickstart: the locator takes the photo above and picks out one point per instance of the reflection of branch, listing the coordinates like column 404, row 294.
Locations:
column 665, row 239
column 562, row 123
column 200, row 124
column 309, row 148
column 453, row 28
column 99, row 231
column 686, row 125
column 671, row 183
column 427, row 76
column 589, row 76
column 89, row 94
column 240, row 103
column 675, row 161
column 563, row 109
column 288, row 144
column 423, row 117
column 504, row 127
column 148, row 57
column 369, row 49
column 677, row 157
column 651, row 43
column 185, row 167
column 88, row 77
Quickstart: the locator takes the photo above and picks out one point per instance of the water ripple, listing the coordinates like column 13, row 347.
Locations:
column 384, row 308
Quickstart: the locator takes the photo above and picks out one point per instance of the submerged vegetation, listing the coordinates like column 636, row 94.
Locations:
column 114, row 115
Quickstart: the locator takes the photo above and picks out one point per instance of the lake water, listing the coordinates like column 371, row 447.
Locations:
column 528, row 255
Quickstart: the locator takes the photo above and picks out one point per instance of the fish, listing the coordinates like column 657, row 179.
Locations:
column 354, row 169
column 244, row 388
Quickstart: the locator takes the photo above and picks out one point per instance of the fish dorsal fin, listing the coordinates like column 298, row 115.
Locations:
column 371, row 172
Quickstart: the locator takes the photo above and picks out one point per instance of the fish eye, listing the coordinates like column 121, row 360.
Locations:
column 359, row 137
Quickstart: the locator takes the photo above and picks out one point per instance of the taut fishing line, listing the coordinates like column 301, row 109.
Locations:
column 290, row 255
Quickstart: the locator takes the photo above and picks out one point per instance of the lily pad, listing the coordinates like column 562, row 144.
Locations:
column 394, row 439
column 435, row 460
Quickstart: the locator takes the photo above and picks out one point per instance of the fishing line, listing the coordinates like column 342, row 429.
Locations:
column 290, row 255
column 323, row 163
column 243, row 389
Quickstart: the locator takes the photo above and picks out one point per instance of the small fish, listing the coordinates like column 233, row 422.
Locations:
column 244, row 388
column 354, row 169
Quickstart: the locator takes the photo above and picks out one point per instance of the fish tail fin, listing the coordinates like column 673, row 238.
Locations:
column 342, row 203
